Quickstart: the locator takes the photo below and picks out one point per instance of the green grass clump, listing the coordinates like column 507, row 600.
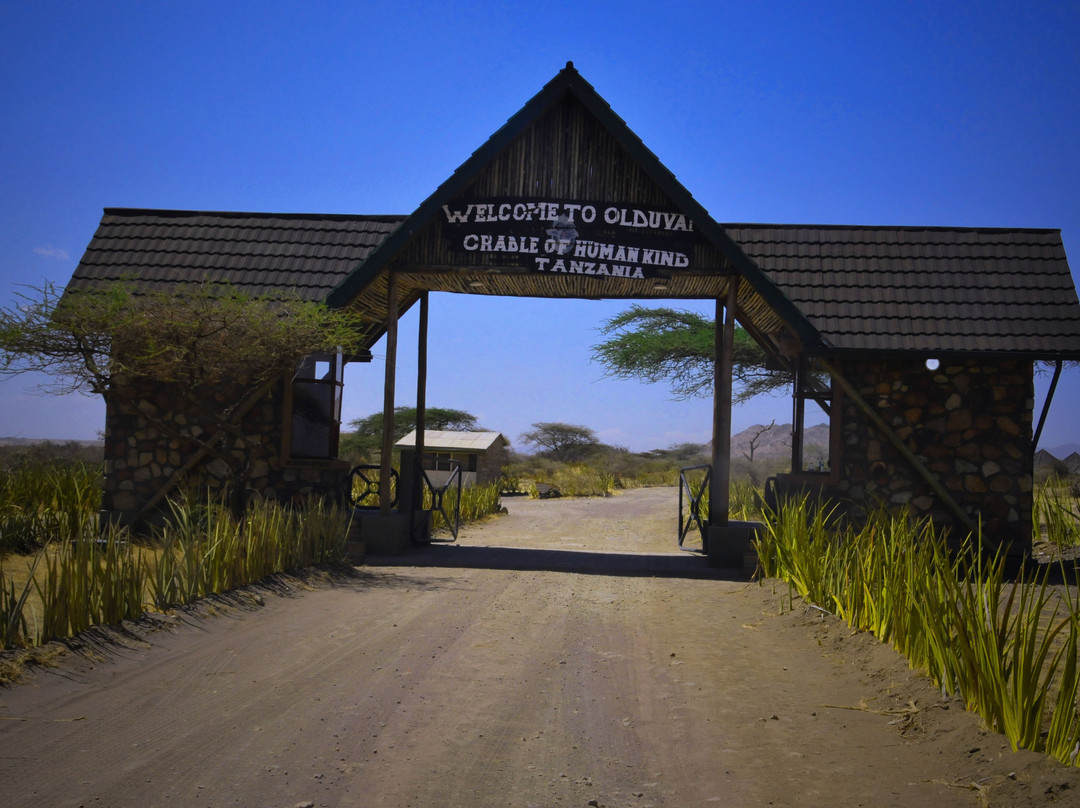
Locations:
column 204, row 550
column 1056, row 514
column 45, row 499
column 1007, row 647
column 103, row 578
column 577, row 480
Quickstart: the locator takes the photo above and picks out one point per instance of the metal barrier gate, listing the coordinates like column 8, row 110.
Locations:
column 694, row 499
column 365, row 487
column 438, row 493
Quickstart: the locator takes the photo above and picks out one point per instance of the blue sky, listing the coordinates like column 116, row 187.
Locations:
column 920, row 113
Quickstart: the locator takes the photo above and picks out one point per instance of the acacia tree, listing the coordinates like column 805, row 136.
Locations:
column 565, row 442
column 678, row 347
column 210, row 348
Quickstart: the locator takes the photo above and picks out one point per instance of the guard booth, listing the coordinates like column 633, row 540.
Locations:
column 919, row 342
column 479, row 456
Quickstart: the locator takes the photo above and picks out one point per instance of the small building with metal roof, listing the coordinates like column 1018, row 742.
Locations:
column 479, row 455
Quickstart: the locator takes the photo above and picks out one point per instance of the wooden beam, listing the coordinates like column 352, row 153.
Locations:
column 386, row 459
column 421, row 401
column 1046, row 405
column 798, row 415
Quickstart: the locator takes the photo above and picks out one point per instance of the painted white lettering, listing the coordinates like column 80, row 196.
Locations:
column 457, row 216
column 588, row 214
column 470, row 242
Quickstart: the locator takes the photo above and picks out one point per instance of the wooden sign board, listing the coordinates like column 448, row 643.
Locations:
column 571, row 237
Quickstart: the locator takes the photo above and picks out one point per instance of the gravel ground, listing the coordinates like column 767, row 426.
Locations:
column 565, row 654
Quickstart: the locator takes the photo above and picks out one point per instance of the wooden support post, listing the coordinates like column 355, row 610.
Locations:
column 724, row 347
column 386, row 459
column 421, row 401
column 798, row 418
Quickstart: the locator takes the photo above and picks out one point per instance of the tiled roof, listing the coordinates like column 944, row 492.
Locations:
column 259, row 253
column 923, row 289
column 862, row 288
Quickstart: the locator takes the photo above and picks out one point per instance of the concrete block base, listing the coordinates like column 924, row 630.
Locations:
column 730, row 548
column 355, row 549
column 384, row 534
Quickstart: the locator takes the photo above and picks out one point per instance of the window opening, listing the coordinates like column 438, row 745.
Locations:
column 315, row 411
column 813, row 385
column 440, row 461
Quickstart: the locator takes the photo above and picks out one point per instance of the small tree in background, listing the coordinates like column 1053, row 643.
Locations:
column 192, row 344
column 564, row 442
column 755, row 439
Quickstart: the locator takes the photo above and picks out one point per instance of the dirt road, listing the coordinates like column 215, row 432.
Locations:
column 562, row 655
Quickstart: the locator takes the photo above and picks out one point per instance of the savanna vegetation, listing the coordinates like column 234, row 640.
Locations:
column 210, row 349
column 61, row 573
column 594, row 468
column 1006, row 645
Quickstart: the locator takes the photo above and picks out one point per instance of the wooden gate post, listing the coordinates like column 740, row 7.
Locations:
column 728, row 542
column 724, row 360
column 386, row 459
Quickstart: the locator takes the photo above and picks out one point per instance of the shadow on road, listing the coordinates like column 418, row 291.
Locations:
column 660, row 565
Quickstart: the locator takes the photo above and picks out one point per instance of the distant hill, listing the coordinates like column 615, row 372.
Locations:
column 46, row 441
column 1072, row 463
column 1066, row 449
column 775, row 443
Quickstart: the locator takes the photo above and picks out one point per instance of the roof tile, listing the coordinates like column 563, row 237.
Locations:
column 924, row 289
column 258, row 253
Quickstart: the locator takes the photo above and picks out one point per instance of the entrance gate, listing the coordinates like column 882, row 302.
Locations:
column 566, row 202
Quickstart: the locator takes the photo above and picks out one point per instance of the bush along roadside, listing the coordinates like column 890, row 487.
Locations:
column 102, row 578
column 1008, row 648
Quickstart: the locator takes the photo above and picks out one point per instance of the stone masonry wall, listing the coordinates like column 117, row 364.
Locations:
column 140, row 457
column 968, row 422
